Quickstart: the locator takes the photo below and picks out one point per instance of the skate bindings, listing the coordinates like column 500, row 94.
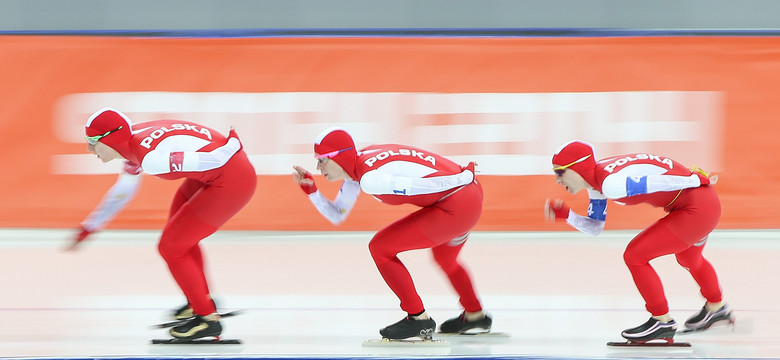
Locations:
column 409, row 327
column 459, row 325
column 705, row 318
column 652, row 329
column 197, row 328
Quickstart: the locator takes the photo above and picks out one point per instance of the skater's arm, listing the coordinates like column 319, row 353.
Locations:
column 160, row 161
column 585, row 224
column 382, row 182
column 337, row 211
column 629, row 183
column 592, row 224
column 114, row 200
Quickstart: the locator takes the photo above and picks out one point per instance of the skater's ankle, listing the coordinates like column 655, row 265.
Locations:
column 665, row 318
column 420, row 316
column 212, row 317
column 713, row 307
column 473, row 316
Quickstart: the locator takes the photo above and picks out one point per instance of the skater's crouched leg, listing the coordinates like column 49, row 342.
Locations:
column 181, row 235
column 179, row 248
column 446, row 256
column 655, row 241
column 382, row 251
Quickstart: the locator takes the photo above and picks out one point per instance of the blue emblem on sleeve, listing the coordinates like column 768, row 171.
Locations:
column 597, row 209
column 636, row 185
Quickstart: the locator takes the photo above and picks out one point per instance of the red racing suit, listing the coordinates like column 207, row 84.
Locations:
column 218, row 181
column 450, row 201
column 693, row 212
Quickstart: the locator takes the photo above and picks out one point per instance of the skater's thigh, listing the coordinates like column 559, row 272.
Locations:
column 446, row 254
column 452, row 217
column 186, row 190
column 182, row 234
column 433, row 225
column 402, row 235
column 698, row 217
column 218, row 202
column 657, row 240
column 692, row 256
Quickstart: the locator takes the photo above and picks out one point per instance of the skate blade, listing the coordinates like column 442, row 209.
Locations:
column 651, row 343
column 404, row 343
column 490, row 334
column 475, row 338
column 196, row 341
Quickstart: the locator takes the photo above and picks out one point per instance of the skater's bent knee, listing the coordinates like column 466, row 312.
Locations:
column 170, row 250
column 381, row 252
column 689, row 262
column 448, row 265
column 635, row 258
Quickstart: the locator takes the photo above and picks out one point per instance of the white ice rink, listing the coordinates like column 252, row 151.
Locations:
column 559, row 295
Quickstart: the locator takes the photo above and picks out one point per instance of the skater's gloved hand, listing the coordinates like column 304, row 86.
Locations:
column 555, row 210
column 470, row 168
column 304, row 179
column 81, row 236
column 705, row 178
column 232, row 135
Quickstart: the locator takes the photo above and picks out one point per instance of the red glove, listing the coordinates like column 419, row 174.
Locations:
column 132, row 168
column 704, row 180
column 470, row 167
column 232, row 134
column 704, row 177
column 308, row 188
column 561, row 211
column 83, row 234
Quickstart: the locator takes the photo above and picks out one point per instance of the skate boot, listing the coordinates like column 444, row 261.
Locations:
column 651, row 330
column 182, row 313
column 459, row 325
column 185, row 312
column 196, row 328
column 409, row 327
column 705, row 318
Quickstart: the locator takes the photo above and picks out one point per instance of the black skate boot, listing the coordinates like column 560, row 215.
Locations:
column 196, row 328
column 409, row 327
column 185, row 312
column 704, row 319
column 182, row 313
column 459, row 325
column 651, row 330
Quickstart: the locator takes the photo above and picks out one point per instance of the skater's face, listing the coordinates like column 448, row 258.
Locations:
column 104, row 152
column 331, row 169
column 569, row 179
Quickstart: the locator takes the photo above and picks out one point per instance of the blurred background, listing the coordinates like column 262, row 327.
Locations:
column 503, row 83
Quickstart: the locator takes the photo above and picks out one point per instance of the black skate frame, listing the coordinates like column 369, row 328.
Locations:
column 669, row 342
column 201, row 341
